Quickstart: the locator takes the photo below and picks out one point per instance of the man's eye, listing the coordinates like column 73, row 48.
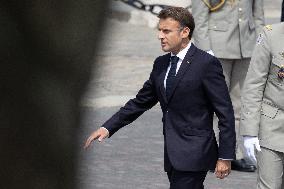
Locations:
column 166, row 31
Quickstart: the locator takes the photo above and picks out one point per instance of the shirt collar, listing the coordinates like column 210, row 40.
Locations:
column 183, row 52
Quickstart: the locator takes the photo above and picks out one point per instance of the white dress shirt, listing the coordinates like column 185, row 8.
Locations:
column 181, row 56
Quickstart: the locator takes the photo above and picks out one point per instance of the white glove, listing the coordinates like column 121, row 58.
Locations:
column 251, row 143
column 210, row 52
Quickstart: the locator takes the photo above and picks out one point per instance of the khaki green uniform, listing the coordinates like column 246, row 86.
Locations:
column 262, row 113
column 230, row 32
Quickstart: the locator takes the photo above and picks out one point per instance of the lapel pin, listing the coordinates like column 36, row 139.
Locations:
column 188, row 62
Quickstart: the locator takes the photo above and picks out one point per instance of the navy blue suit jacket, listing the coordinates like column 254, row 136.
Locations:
column 198, row 92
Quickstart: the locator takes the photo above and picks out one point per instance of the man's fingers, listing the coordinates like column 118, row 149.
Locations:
column 221, row 172
column 218, row 174
column 99, row 134
column 93, row 137
column 222, row 169
column 88, row 142
column 103, row 134
column 221, row 175
column 101, row 138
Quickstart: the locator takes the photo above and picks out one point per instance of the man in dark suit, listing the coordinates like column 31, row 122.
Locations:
column 190, row 86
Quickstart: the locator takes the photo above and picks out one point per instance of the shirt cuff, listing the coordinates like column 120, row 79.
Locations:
column 226, row 159
column 210, row 52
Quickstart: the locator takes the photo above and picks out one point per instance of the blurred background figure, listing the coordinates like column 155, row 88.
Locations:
column 262, row 114
column 47, row 49
column 228, row 30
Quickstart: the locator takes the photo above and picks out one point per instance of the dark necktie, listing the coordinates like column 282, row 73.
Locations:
column 171, row 75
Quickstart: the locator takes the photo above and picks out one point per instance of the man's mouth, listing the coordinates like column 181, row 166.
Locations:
column 163, row 44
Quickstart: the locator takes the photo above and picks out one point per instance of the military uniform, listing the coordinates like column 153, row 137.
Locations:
column 230, row 32
column 262, row 113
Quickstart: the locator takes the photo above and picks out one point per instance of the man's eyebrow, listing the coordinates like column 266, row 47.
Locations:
column 163, row 28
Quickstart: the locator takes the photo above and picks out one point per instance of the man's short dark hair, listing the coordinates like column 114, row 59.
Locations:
column 180, row 14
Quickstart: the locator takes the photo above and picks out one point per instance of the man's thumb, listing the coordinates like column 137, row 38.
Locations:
column 100, row 139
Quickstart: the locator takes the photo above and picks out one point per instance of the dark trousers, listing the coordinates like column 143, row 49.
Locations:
column 186, row 179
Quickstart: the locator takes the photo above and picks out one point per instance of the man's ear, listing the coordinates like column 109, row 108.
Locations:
column 185, row 32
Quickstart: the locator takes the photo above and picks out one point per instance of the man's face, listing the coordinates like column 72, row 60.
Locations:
column 171, row 35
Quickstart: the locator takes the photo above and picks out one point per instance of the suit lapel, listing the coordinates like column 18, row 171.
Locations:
column 183, row 68
column 162, row 76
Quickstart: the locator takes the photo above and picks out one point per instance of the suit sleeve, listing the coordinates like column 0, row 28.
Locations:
column 258, row 15
column 145, row 99
column 200, row 14
column 254, row 87
column 218, row 95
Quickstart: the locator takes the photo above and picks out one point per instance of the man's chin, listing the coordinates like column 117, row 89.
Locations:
column 165, row 49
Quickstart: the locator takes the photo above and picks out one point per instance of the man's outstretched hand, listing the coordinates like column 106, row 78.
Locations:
column 99, row 134
column 223, row 168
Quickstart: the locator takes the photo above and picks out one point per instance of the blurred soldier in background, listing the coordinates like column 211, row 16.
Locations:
column 228, row 30
column 262, row 115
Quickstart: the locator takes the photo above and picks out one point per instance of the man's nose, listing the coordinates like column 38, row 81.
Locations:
column 161, row 35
